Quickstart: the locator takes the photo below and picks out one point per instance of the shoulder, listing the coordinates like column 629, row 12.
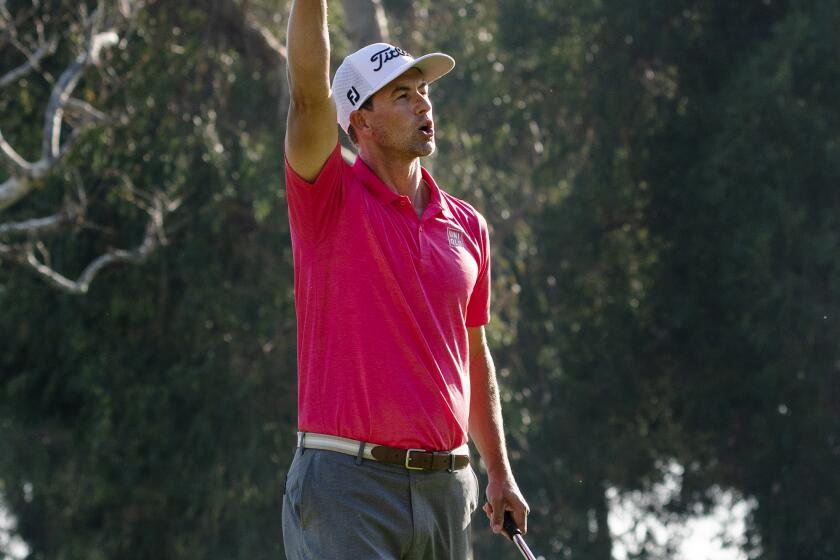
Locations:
column 465, row 214
column 332, row 171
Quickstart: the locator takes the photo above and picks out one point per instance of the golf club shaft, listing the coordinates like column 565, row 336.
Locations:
column 513, row 532
column 523, row 548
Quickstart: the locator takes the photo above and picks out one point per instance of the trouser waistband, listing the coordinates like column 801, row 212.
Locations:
column 412, row 459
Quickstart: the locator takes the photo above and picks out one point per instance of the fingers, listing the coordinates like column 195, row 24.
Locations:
column 488, row 510
column 520, row 515
column 497, row 514
column 505, row 497
column 520, row 512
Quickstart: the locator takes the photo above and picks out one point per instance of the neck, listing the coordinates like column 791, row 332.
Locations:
column 402, row 176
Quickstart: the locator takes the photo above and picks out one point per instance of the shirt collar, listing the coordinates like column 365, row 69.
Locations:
column 436, row 200
column 385, row 195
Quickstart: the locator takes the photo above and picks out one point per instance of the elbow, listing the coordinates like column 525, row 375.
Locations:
column 309, row 96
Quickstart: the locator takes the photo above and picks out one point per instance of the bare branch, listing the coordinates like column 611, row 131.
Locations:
column 153, row 238
column 38, row 226
column 101, row 41
column 55, row 109
column 83, row 113
column 22, row 171
column 13, row 189
column 267, row 45
column 11, row 35
column 100, row 32
column 14, row 159
column 270, row 39
column 70, row 78
column 32, row 63
column 21, row 182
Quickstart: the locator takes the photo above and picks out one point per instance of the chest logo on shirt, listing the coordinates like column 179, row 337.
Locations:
column 456, row 238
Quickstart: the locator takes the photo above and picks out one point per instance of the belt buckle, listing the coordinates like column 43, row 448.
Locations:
column 451, row 468
column 408, row 459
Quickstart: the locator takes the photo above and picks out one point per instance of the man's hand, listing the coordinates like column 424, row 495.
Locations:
column 503, row 495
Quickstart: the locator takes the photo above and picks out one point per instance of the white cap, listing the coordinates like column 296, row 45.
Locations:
column 369, row 69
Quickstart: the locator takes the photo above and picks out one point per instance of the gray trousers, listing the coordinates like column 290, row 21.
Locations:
column 336, row 507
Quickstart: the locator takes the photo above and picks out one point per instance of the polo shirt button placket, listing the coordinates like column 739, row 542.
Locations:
column 422, row 241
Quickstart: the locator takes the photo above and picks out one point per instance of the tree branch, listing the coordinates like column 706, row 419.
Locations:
column 32, row 63
column 13, row 189
column 22, row 172
column 153, row 238
column 21, row 183
column 55, row 109
column 83, row 114
column 30, row 250
column 14, row 160
column 38, row 226
column 271, row 40
column 268, row 46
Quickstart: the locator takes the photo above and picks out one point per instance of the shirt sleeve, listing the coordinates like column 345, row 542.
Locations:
column 478, row 306
column 313, row 206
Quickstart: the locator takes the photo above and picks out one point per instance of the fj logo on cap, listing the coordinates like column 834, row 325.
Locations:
column 455, row 237
column 353, row 96
column 388, row 53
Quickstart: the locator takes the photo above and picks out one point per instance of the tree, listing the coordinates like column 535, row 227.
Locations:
column 659, row 184
column 156, row 418
column 83, row 39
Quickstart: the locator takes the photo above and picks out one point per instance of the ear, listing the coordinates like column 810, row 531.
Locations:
column 359, row 121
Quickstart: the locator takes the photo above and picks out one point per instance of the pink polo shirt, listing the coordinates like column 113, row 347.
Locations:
column 383, row 303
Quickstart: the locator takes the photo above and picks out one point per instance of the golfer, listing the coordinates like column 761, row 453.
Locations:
column 392, row 293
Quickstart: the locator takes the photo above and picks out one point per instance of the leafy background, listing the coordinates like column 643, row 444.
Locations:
column 661, row 182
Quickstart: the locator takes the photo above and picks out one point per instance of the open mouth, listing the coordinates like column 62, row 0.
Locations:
column 427, row 130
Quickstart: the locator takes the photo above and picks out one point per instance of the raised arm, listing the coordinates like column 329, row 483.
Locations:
column 312, row 129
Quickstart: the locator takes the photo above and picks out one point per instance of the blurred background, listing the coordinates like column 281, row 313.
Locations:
column 661, row 181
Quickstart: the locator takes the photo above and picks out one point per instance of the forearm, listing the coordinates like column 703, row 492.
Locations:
column 487, row 431
column 308, row 48
column 486, row 425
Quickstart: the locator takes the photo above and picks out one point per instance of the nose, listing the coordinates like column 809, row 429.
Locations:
column 423, row 105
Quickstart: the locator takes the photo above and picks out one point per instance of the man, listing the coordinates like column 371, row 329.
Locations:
column 392, row 289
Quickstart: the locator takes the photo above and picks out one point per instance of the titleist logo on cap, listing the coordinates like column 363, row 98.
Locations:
column 388, row 53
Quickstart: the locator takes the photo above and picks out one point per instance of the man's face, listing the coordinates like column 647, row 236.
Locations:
column 401, row 120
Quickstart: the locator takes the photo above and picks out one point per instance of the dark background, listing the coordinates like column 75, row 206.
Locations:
column 661, row 180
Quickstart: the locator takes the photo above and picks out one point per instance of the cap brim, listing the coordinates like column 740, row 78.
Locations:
column 433, row 66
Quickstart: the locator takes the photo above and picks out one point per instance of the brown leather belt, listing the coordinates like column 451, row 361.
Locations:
column 412, row 459
column 419, row 459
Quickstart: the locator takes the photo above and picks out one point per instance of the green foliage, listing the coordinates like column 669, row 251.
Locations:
column 659, row 179
column 152, row 418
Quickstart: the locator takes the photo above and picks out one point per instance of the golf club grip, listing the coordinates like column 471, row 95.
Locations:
column 509, row 526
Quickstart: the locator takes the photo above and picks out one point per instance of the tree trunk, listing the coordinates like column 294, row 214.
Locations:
column 365, row 22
